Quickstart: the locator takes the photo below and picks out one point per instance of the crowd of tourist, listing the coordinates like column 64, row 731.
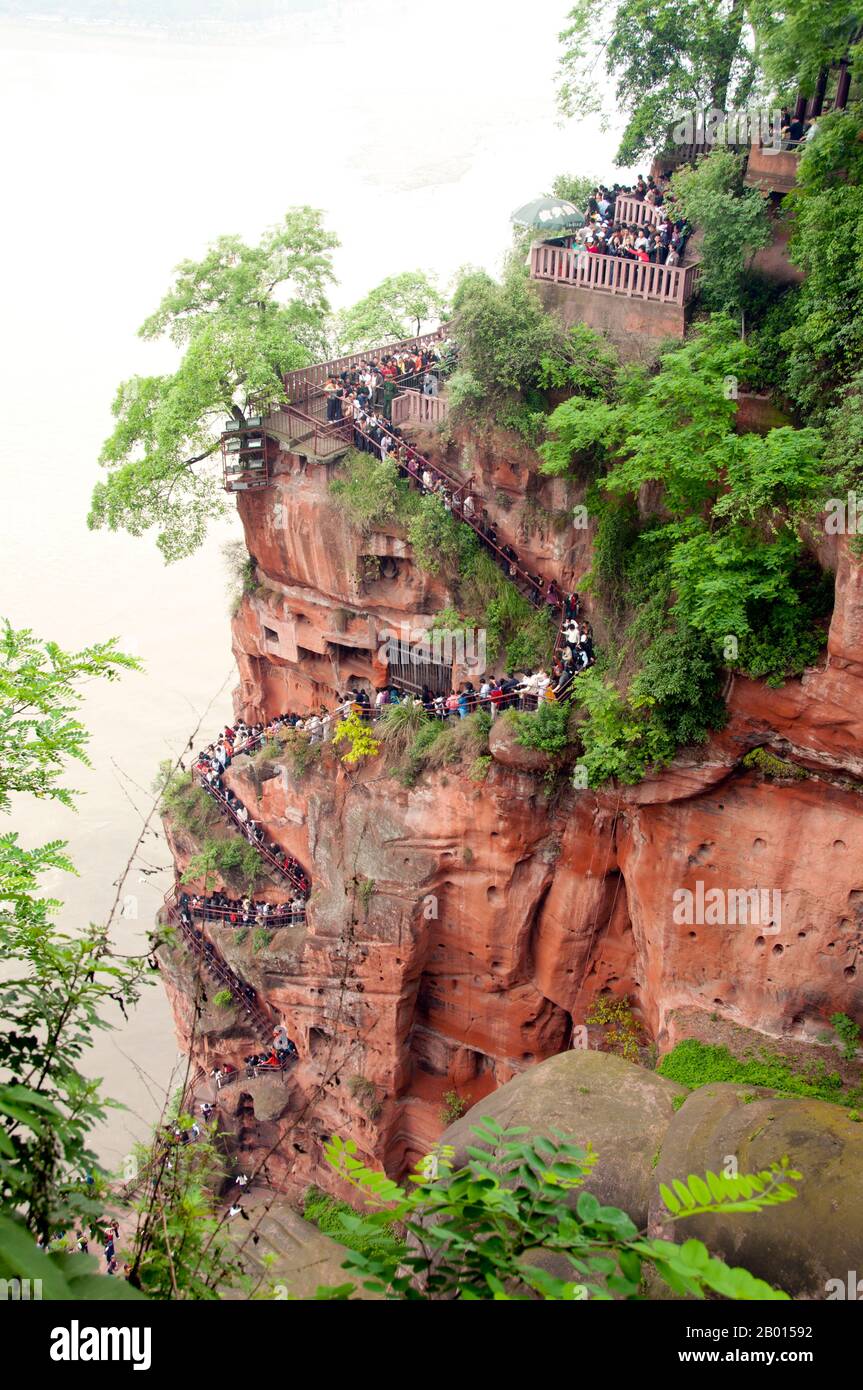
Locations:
column 210, row 766
column 244, row 912
column 661, row 241
column 242, row 993
column 104, row 1232
column 373, row 384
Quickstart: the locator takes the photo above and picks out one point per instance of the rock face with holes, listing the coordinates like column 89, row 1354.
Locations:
column 458, row 931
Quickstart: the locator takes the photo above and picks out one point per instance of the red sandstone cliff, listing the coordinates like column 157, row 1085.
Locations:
column 458, row 930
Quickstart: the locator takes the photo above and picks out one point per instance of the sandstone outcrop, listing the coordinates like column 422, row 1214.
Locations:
column 642, row 1140
column 457, row 931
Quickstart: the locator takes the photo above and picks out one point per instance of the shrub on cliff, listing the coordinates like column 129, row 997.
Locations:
column 366, row 489
column 361, row 742
column 478, row 1232
column 232, row 860
column 693, row 1063
column 184, row 800
column 512, row 353
column 732, row 218
column 398, row 727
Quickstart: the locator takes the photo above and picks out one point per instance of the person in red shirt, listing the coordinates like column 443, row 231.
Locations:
column 495, row 695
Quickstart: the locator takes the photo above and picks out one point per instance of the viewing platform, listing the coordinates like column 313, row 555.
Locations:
column 630, row 301
column 415, row 408
column 773, row 170
column 666, row 284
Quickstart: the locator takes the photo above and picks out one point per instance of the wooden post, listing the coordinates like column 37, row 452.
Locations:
column 817, row 102
column 843, row 86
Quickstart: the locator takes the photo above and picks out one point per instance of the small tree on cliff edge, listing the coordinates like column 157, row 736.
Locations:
column 398, row 306
column 237, row 339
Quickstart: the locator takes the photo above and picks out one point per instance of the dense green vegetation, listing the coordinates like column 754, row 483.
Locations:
column 732, row 219
column 693, row 1064
column 480, row 1231
column 339, row 1220
column 699, row 559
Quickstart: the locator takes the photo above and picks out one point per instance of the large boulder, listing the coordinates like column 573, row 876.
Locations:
column 505, row 750
column 590, row 1097
column 629, row 1116
column 800, row 1245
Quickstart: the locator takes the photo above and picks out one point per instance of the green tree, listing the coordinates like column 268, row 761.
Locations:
column 401, row 305
column 575, row 188
column 503, row 332
column 659, row 58
column 55, row 987
column 486, row 1230
column 732, row 218
column 241, row 317
column 824, row 343
column 795, row 41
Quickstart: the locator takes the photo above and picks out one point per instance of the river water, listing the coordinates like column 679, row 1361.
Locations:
column 416, row 128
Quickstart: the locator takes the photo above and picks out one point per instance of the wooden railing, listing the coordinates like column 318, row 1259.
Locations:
column 416, row 408
column 303, row 432
column 614, row 274
column 635, row 210
column 317, row 374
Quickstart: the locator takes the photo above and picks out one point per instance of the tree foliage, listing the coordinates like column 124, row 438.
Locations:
column 658, row 58
column 733, row 220
column 503, row 331
column 56, row 987
column 795, row 41
column 357, row 734
column 241, row 317
column 699, row 539
column 401, row 305
column 486, row 1230
column 824, row 343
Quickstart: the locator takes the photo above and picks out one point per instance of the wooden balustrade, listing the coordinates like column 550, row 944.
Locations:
column 296, row 381
column 630, row 210
column 413, row 407
column 614, row 274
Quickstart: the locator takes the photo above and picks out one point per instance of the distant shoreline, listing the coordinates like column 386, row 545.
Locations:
column 204, row 33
